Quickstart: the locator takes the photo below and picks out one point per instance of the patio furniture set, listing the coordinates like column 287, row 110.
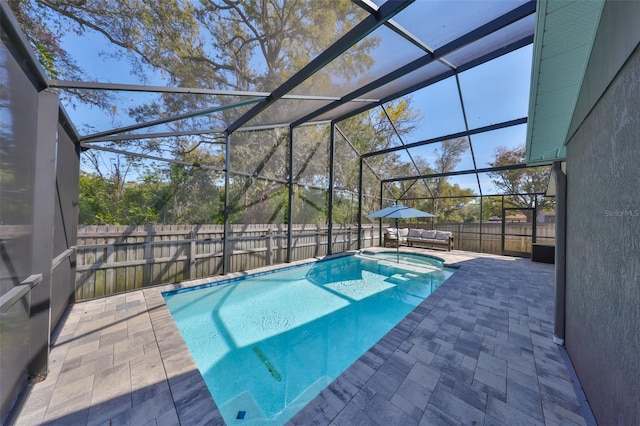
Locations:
column 393, row 237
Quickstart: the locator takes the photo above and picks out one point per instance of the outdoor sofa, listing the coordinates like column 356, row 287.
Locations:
column 418, row 237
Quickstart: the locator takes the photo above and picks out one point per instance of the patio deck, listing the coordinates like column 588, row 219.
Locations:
column 478, row 351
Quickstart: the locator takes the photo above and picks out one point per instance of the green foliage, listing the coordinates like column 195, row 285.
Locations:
column 521, row 182
column 179, row 195
column 246, row 45
column 192, row 196
column 102, row 202
column 491, row 206
column 368, row 132
column 345, row 207
column 448, row 156
column 46, row 58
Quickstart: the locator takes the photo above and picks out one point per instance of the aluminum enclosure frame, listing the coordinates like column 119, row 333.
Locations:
column 382, row 15
column 53, row 114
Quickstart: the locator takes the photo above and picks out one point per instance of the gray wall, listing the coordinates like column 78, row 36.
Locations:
column 65, row 226
column 18, row 142
column 603, row 250
column 38, row 223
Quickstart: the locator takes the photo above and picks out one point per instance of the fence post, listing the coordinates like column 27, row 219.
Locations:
column 192, row 255
column 372, row 237
column 109, row 274
column 317, row 240
column 269, row 254
column 147, row 268
column 349, row 242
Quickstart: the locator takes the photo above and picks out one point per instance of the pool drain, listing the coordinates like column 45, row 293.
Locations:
column 267, row 364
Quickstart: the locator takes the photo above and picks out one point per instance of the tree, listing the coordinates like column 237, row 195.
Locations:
column 191, row 196
column 45, row 35
column 243, row 45
column 134, row 203
column 436, row 194
column 448, row 156
column 246, row 45
column 525, row 187
column 367, row 132
column 491, row 207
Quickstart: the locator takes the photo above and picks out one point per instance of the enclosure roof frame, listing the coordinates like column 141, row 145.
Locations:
column 474, row 35
column 377, row 16
column 466, row 172
column 388, row 10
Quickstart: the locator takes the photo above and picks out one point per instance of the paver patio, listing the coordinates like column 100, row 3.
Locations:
column 478, row 351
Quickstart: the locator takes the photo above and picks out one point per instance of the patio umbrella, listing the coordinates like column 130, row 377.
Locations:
column 396, row 212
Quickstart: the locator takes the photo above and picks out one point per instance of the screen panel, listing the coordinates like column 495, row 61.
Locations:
column 498, row 90
column 263, row 153
column 285, row 111
column 311, row 155
column 119, row 110
column 487, row 146
column 437, row 23
column 493, row 42
column 18, row 142
column 374, row 56
column 197, row 45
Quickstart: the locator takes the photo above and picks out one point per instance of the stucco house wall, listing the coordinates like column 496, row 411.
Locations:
column 602, row 332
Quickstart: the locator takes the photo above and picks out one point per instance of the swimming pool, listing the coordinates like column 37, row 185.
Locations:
column 266, row 345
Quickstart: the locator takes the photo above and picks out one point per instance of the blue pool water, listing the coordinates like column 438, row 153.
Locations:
column 267, row 345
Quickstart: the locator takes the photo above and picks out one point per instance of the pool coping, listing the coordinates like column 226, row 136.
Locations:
column 122, row 360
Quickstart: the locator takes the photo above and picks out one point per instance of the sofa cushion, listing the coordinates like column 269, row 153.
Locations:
column 404, row 232
column 415, row 233
column 443, row 235
column 428, row 234
column 392, row 232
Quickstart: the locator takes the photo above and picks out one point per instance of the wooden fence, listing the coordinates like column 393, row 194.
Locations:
column 115, row 259
column 467, row 236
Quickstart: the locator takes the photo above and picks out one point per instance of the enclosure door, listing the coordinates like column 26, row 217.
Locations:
column 518, row 231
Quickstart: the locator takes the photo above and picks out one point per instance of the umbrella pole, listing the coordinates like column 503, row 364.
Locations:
column 397, row 242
